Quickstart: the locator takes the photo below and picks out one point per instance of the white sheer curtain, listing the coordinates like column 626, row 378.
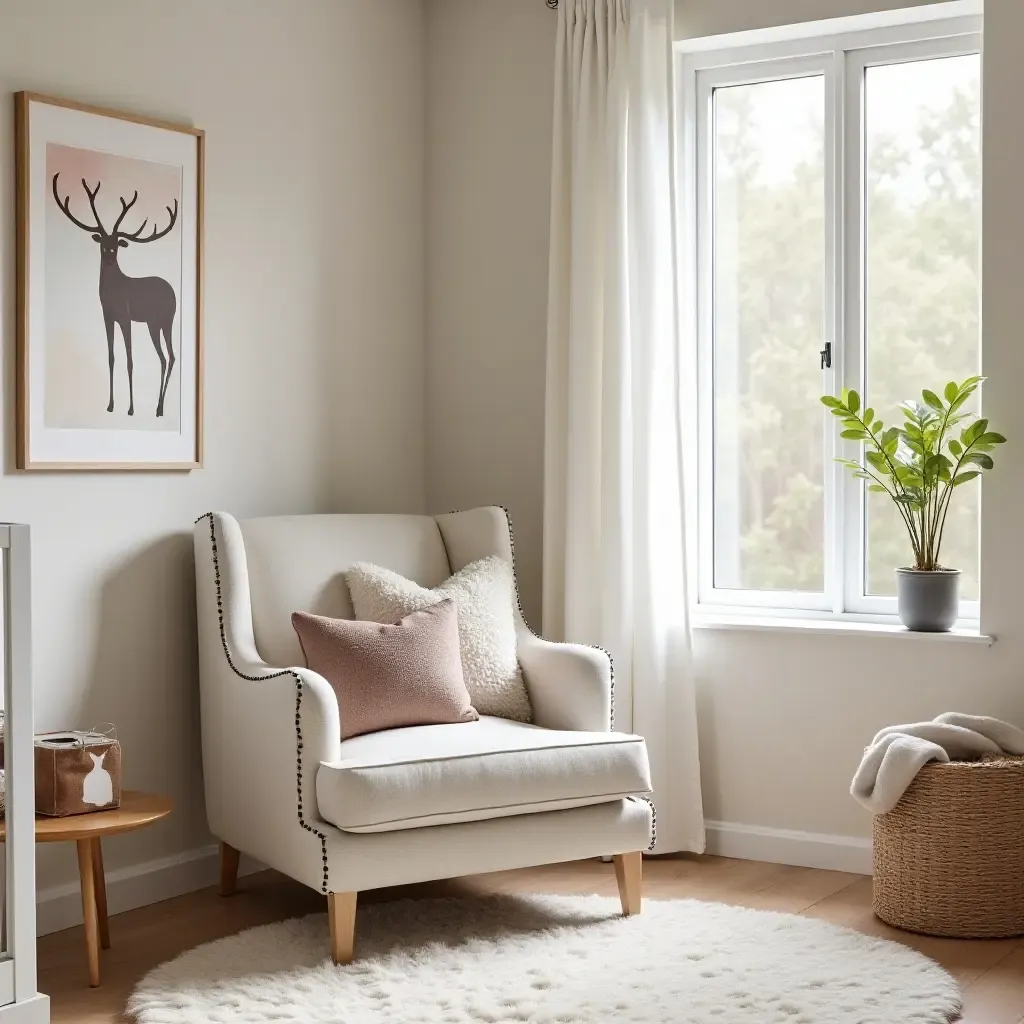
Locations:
column 614, row 548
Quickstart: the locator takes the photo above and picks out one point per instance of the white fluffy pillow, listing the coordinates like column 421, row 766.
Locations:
column 484, row 594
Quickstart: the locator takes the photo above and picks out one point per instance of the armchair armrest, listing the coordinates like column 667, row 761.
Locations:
column 570, row 685
column 265, row 729
column 309, row 700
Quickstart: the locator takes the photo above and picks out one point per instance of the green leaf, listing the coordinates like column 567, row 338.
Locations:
column 857, row 434
column 974, row 431
column 878, row 461
column 932, row 399
column 962, row 478
column 831, row 402
column 978, row 459
column 878, row 489
column 990, row 437
column 852, row 401
column 936, row 467
column 955, row 447
column 909, row 477
column 951, row 391
column 960, row 399
column 876, row 426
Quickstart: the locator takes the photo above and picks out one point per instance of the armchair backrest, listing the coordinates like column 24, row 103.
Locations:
column 281, row 564
column 297, row 563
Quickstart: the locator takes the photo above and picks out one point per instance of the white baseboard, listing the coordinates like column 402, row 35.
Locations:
column 60, row 906
column 785, row 846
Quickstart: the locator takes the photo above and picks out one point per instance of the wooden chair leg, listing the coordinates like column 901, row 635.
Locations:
column 341, row 910
column 101, row 892
column 87, row 876
column 228, row 869
column 629, row 875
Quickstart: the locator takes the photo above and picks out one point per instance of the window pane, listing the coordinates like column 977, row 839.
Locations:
column 922, row 121
column 769, row 294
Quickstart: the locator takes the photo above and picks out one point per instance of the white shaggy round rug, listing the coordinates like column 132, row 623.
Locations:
column 551, row 960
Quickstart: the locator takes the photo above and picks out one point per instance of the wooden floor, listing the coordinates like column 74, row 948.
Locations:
column 991, row 972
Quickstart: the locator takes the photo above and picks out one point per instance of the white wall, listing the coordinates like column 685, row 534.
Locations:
column 783, row 718
column 314, row 337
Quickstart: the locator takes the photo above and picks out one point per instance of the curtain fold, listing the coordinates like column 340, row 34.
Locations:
column 615, row 569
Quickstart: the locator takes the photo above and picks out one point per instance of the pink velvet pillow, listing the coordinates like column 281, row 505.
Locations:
column 387, row 676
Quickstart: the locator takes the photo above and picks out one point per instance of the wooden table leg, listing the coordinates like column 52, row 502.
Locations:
column 101, row 892
column 87, row 875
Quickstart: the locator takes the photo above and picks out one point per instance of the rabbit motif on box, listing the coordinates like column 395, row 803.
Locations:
column 97, row 787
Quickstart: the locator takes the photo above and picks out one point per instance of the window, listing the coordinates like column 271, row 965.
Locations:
column 836, row 198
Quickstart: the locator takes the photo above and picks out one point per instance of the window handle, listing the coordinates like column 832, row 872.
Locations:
column 826, row 356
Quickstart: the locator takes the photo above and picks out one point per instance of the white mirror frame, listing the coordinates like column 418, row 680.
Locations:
column 20, row 1001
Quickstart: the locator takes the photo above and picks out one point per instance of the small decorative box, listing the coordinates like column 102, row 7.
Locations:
column 77, row 772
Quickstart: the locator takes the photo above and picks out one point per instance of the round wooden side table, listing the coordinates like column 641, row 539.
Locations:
column 86, row 830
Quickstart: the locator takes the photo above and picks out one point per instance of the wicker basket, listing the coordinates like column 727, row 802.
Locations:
column 949, row 858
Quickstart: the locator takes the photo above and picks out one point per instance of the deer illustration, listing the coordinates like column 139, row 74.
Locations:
column 144, row 300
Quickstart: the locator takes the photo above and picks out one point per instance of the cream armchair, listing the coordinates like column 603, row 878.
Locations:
column 405, row 805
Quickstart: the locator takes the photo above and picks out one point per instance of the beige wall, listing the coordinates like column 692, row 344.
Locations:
column 783, row 717
column 489, row 82
column 314, row 336
column 715, row 17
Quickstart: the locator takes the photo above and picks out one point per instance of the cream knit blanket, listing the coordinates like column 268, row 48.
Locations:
column 899, row 752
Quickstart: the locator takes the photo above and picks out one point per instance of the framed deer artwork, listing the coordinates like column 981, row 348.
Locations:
column 110, row 242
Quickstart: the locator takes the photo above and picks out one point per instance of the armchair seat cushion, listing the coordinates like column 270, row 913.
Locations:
column 439, row 774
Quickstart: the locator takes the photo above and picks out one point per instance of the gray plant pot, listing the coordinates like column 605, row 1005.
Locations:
column 928, row 602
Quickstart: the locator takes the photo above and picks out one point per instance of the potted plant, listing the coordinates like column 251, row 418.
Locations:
column 919, row 464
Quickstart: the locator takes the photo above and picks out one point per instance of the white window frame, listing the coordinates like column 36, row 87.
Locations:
column 839, row 52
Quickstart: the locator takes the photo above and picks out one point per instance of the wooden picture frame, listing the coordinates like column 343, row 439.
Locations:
column 91, row 393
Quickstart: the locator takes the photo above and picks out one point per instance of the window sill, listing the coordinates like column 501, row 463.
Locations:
column 967, row 633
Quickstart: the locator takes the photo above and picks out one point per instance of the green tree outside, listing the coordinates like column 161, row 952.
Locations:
column 923, row 217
